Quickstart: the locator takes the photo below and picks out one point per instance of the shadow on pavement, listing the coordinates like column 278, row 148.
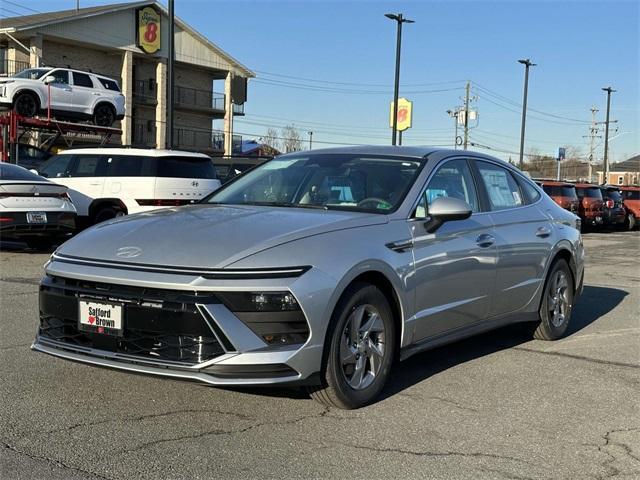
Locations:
column 591, row 305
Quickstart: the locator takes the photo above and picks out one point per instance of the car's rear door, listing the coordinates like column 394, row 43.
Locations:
column 84, row 92
column 455, row 266
column 524, row 236
column 86, row 180
column 182, row 179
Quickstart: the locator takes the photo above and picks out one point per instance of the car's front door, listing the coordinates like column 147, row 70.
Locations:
column 455, row 265
column 84, row 93
column 61, row 91
column 524, row 238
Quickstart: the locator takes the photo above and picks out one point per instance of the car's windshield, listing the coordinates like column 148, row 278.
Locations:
column 32, row 73
column 591, row 192
column 614, row 195
column 560, row 191
column 367, row 183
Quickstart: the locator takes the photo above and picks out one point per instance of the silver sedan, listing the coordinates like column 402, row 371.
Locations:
column 317, row 269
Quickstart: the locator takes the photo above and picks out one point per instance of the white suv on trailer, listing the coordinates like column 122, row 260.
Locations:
column 74, row 95
column 105, row 183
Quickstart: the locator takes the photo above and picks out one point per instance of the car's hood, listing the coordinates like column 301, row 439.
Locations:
column 207, row 236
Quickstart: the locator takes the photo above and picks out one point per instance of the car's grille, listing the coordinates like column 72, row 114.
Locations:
column 159, row 325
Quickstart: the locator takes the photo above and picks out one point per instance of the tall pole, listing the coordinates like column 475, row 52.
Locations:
column 396, row 86
column 310, row 140
column 467, row 89
column 592, row 143
column 605, row 180
column 454, row 114
column 527, row 63
column 170, row 76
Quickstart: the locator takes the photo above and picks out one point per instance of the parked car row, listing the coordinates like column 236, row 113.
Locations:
column 608, row 206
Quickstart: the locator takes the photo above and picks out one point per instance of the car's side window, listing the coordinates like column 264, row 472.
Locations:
column 56, row 167
column 501, row 187
column 452, row 179
column 531, row 193
column 89, row 166
column 61, row 76
column 82, row 80
column 125, row 166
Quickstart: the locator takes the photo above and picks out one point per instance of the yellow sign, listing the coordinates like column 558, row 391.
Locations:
column 148, row 38
column 405, row 114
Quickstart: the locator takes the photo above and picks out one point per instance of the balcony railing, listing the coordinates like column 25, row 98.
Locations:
column 9, row 68
column 144, row 92
column 144, row 134
column 192, row 97
column 207, row 140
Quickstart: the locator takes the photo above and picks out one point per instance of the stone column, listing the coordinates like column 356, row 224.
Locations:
column 161, row 107
column 35, row 51
column 228, row 116
column 126, row 77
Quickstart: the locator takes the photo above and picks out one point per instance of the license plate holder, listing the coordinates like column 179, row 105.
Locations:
column 37, row 217
column 101, row 317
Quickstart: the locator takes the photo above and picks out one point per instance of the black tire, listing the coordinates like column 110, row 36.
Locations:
column 553, row 325
column 335, row 389
column 631, row 222
column 107, row 213
column 104, row 115
column 26, row 104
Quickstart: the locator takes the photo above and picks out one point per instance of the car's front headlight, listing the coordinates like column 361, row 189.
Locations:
column 274, row 316
column 3, row 90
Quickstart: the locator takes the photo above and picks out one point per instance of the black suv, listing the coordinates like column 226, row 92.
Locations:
column 614, row 214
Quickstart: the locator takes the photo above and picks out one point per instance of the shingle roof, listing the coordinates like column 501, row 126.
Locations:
column 630, row 165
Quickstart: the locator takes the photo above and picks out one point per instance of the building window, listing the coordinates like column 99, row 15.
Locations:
column 620, row 180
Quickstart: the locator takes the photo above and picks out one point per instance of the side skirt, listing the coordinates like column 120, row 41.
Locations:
column 466, row 332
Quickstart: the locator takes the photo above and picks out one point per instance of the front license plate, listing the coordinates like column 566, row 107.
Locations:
column 36, row 217
column 100, row 317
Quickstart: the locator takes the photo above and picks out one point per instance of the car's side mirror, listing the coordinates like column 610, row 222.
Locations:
column 50, row 79
column 33, row 170
column 446, row 209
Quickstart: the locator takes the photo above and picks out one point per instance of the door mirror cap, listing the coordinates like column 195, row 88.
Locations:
column 446, row 209
column 50, row 79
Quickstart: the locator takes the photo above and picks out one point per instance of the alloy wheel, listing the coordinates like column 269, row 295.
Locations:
column 26, row 106
column 559, row 301
column 362, row 346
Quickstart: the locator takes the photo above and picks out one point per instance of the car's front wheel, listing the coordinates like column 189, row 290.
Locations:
column 359, row 350
column 104, row 116
column 631, row 221
column 557, row 302
column 26, row 104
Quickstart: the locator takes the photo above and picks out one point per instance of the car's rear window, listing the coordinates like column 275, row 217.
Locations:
column 560, row 191
column 631, row 194
column 593, row 192
column 109, row 84
column 614, row 195
column 13, row 172
column 186, row 167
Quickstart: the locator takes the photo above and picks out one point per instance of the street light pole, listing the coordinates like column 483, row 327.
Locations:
column 310, row 139
column 170, row 76
column 605, row 180
column 400, row 20
column 527, row 63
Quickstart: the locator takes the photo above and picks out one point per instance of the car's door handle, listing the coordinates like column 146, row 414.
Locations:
column 543, row 232
column 67, row 89
column 97, row 94
column 485, row 240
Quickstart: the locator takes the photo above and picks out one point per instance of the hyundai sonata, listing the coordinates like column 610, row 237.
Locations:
column 317, row 269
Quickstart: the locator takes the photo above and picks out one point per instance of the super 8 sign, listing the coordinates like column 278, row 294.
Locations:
column 405, row 114
column 148, row 30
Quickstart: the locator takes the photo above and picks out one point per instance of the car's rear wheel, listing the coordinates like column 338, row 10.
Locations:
column 107, row 213
column 557, row 302
column 26, row 104
column 359, row 350
column 631, row 222
column 104, row 116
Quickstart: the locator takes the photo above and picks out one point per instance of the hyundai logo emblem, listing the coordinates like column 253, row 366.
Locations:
column 194, row 184
column 128, row 252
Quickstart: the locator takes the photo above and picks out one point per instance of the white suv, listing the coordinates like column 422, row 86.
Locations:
column 74, row 95
column 108, row 182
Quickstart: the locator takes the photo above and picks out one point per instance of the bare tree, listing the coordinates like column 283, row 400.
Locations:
column 291, row 141
column 271, row 138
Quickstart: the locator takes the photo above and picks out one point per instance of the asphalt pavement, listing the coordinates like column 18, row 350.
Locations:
column 496, row 406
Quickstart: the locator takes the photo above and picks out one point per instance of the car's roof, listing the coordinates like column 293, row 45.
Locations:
column 629, row 187
column 586, row 185
column 412, row 151
column 74, row 70
column 138, row 152
column 555, row 183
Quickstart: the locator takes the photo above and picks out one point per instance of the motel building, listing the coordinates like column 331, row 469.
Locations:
column 129, row 42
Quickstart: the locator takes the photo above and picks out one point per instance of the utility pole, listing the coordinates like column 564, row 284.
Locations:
column 400, row 20
column 310, row 139
column 466, row 114
column 454, row 114
column 593, row 134
column 170, row 76
column 527, row 63
column 609, row 91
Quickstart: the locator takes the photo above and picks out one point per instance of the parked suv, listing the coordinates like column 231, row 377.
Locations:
column 631, row 202
column 614, row 214
column 109, row 182
column 591, row 204
column 74, row 95
column 564, row 194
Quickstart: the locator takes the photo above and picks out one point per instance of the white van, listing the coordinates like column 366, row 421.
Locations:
column 108, row 182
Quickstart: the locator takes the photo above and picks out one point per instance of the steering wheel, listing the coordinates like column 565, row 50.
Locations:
column 375, row 200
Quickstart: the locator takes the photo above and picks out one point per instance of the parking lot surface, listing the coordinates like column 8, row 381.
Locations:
column 495, row 406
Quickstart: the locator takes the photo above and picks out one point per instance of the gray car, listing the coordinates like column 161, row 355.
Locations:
column 317, row 269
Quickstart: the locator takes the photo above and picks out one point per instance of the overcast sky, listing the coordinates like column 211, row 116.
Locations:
column 328, row 66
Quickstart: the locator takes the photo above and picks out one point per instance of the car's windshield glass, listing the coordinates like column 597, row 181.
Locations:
column 560, row 191
column 13, row 172
column 593, row 192
column 614, row 195
column 32, row 73
column 366, row 183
